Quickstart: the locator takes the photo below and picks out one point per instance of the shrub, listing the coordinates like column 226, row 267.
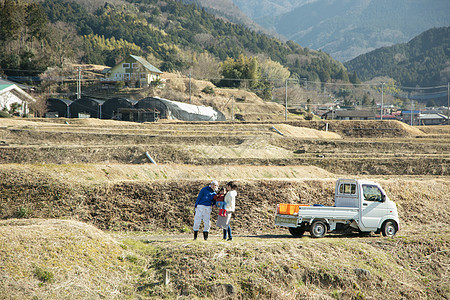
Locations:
column 208, row 90
column 155, row 83
column 4, row 114
column 239, row 117
column 43, row 275
column 22, row 213
column 120, row 85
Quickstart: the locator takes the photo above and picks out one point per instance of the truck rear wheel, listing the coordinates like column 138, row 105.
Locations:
column 318, row 229
column 297, row 231
column 389, row 228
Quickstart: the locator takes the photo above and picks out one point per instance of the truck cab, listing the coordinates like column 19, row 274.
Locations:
column 360, row 205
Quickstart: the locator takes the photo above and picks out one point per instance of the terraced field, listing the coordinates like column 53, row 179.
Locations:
column 98, row 172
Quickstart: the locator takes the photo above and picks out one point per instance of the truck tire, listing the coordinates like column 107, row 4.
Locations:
column 389, row 228
column 318, row 229
column 297, row 231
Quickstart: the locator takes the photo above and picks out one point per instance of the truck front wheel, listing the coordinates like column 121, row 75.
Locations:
column 296, row 231
column 389, row 228
column 318, row 229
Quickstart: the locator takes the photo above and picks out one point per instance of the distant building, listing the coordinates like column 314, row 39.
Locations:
column 410, row 117
column 433, row 119
column 174, row 110
column 13, row 97
column 58, row 108
column 111, row 107
column 386, row 117
column 138, row 114
column 349, row 115
column 134, row 71
column 86, row 107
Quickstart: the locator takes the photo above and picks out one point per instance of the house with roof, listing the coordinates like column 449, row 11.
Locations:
column 13, row 98
column 433, row 119
column 410, row 117
column 134, row 71
column 349, row 115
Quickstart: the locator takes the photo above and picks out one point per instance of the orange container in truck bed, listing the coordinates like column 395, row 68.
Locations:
column 289, row 209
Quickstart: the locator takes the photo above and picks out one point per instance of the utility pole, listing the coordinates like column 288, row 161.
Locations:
column 79, row 83
column 232, row 109
column 412, row 111
column 190, row 94
column 285, row 101
column 382, row 98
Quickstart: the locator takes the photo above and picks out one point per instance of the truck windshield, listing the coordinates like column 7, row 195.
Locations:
column 371, row 193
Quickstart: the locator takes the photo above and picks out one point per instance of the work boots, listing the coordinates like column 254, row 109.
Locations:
column 205, row 235
column 195, row 235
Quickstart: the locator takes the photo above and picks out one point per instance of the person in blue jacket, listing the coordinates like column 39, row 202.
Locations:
column 203, row 208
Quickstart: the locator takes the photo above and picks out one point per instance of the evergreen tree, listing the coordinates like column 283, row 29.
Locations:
column 36, row 21
column 11, row 20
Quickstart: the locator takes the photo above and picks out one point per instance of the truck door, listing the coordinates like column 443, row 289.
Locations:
column 373, row 206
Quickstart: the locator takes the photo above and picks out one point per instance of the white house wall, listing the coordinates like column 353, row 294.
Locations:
column 13, row 95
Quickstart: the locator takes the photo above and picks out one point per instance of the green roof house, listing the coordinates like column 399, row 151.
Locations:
column 133, row 70
column 13, row 99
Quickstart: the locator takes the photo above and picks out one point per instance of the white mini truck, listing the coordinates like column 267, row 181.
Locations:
column 360, row 206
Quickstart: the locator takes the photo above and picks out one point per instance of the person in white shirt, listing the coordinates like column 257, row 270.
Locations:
column 230, row 200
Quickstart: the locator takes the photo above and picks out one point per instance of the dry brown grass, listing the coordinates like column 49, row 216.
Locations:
column 247, row 104
column 306, row 133
column 274, row 267
column 78, row 261
column 60, row 259
column 113, row 186
column 100, row 173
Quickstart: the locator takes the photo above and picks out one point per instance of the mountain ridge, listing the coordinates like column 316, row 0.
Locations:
column 423, row 61
column 352, row 27
column 169, row 33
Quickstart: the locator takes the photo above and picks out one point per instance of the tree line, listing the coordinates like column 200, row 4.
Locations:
column 169, row 34
column 422, row 61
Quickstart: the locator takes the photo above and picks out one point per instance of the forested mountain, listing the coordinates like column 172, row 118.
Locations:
column 348, row 28
column 227, row 10
column 423, row 61
column 170, row 34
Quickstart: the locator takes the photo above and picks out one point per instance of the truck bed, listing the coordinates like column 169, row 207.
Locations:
column 306, row 213
column 328, row 212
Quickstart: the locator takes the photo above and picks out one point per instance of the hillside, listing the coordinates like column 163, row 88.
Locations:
column 61, row 259
column 85, row 214
column 229, row 11
column 170, row 34
column 423, row 61
column 346, row 30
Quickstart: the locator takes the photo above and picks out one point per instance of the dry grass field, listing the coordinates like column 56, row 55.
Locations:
column 84, row 214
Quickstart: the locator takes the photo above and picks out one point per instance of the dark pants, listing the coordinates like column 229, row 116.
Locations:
column 225, row 231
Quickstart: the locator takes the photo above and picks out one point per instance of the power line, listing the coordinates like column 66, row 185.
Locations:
column 311, row 83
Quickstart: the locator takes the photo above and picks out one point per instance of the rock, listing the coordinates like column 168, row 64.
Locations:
column 230, row 289
column 362, row 274
column 223, row 289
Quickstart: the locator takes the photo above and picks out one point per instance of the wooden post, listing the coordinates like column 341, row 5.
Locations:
column 166, row 276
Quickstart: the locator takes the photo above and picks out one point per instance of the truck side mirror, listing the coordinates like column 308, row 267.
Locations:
column 383, row 198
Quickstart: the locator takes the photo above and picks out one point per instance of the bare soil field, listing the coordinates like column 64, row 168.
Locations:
column 85, row 214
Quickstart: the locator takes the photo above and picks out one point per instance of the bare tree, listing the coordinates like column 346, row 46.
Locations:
column 65, row 43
